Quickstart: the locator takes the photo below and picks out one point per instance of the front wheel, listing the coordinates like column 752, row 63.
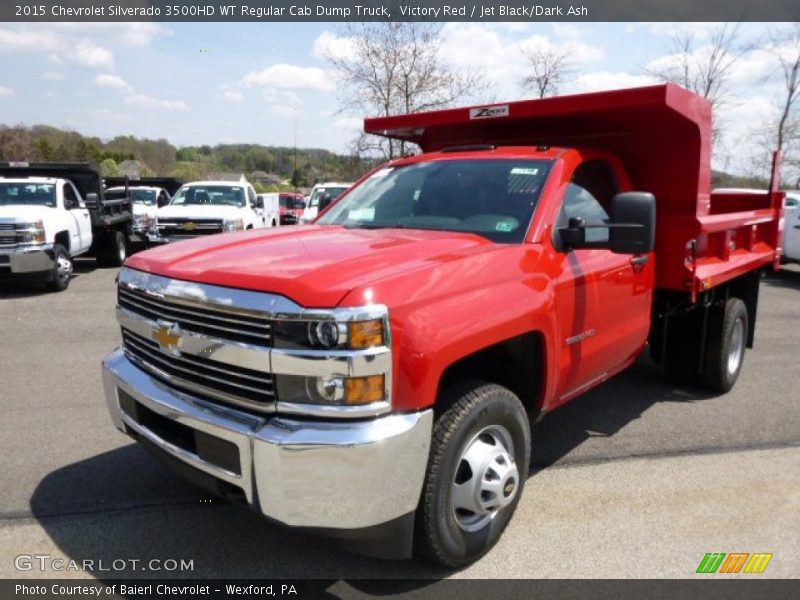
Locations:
column 62, row 270
column 480, row 452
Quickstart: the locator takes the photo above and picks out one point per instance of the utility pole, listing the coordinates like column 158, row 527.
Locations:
column 294, row 173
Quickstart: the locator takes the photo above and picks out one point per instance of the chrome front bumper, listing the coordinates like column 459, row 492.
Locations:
column 317, row 474
column 27, row 260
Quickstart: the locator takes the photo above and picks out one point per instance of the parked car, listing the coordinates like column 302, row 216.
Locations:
column 203, row 208
column 292, row 207
column 147, row 195
column 374, row 376
column 322, row 194
column 791, row 241
column 52, row 212
column 268, row 208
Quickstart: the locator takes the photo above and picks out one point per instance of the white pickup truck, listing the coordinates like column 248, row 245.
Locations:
column 53, row 212
column 204, row 208
column 147, row 195
column 322, row 194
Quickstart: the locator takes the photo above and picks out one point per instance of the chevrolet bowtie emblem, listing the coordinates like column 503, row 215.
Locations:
column 167, row 335
column 189, row 226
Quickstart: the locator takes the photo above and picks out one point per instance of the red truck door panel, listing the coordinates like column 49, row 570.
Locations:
column 603, row 299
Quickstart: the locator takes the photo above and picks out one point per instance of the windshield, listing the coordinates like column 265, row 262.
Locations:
column 138, row 195
column 225, row 195
column 494, row 198
column 37, row 194
column 334, row 193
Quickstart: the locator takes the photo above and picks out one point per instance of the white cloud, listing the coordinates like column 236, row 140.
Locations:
column 133, row 34
column 24, row 40
column 607, row 80
column 86, row 54
column 290, row 77
column 6, row 92
column 348, row 123
column 53, row 76
column 233, row 96
column 111, row 81
column 329, row 44
column 145, row 101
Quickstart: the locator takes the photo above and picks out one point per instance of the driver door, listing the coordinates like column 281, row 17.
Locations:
column 602, row 299
column 80, row 231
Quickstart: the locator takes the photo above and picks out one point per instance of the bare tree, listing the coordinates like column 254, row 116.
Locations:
column 395, row 68
column 703, row 69
column 549, row 68
column 787, row 50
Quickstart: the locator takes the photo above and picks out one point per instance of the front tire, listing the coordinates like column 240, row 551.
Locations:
column 725, row 354
column 62, row 270
column 478, row 464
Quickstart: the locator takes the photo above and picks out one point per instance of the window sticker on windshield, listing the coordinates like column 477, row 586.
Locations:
column 361, row 214
column 524, row 171
column 505, row 226
column 382, row 173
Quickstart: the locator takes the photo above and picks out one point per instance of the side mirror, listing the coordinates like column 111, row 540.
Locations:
column 631, row 227
column 259, row 203
column 633, row 223
column 324, row 201
column 92, row 199
column 162, row 201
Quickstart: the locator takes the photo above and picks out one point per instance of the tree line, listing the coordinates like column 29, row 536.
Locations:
column 274, row 167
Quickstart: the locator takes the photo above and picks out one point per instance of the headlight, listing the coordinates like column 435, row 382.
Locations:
column 233, row 225
column 330, row 335
column 31, row 233
column 331, row 391
column 143, row 221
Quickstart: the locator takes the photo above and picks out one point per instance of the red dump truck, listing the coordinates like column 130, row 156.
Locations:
column 374, row 376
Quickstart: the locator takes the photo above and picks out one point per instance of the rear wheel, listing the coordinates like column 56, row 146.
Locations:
column 114, row 250
column 725, row 354
column 62, row 270
column 477, row 468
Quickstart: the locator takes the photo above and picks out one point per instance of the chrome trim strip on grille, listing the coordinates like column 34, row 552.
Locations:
column 235, row 354
column 201, row 321
column 154, row 364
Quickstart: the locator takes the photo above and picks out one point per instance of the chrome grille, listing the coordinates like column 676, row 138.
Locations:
column 8, row 235
column 188, row 227
column 236, row 326
column 201, row 376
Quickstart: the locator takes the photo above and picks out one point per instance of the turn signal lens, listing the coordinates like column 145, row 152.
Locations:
column 365, row 390
column 366, row 334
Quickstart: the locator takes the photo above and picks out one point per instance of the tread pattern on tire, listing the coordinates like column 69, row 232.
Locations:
column 459, row 402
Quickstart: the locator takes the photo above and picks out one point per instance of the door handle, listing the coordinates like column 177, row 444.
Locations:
column 640, row 260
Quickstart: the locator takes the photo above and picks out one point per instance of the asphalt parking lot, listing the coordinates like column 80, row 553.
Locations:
column 638, row 478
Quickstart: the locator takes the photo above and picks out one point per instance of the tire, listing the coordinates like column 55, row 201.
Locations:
column 59, row 278
column 725, row 353
column 114, row 251
column 483, row 427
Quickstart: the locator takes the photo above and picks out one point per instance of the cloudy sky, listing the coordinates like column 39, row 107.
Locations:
column 218, row 83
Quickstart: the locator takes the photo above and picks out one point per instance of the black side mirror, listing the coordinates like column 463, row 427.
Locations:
column 631, row 228
column 92, row 199
column 633, row 223
column 162, row 201
column 324, row 201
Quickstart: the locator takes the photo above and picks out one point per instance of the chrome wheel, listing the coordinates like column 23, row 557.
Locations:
column 486, row 479
column 736, row 347
column 121, row 252
column 63, row 267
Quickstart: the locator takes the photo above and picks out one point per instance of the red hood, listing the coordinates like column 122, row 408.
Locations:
column 316, row 266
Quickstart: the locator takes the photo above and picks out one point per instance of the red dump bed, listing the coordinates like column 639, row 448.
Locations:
column 662, row 134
